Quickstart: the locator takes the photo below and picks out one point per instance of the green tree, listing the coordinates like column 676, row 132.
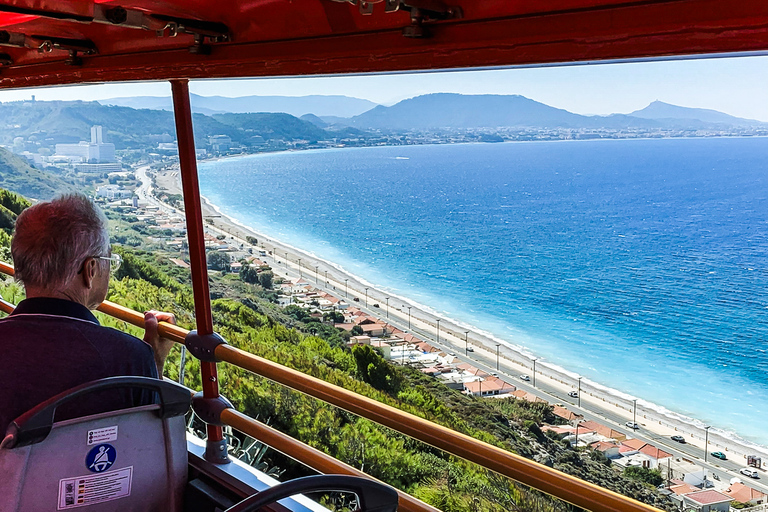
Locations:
column 647, row 475
column 249, row 274
column 357, row 330
column 218, row 261
column 374, row 370
column 265, row 279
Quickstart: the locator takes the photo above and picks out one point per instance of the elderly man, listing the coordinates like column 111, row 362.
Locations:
column 52, row 341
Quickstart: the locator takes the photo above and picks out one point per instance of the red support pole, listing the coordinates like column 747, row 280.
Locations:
column 195, row 234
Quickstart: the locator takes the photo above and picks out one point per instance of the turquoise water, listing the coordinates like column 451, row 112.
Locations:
column 639, row 264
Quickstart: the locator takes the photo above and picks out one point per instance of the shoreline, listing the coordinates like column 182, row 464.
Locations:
column 514, row 360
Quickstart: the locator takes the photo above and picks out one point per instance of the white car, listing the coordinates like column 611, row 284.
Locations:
column 751, row 473
column 573, row 394
column 470, row 349
column 633, row 426
column 525, row 378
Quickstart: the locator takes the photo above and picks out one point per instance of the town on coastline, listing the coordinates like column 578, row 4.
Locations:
column 146, row 211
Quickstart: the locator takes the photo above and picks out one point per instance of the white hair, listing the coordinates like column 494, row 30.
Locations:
column 53, row 239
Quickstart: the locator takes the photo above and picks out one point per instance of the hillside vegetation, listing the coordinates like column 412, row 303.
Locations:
column 18, row 176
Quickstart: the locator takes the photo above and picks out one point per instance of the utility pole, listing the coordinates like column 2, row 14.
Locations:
column 534, row 372
column 497, row 356
column 387, row 299
column 438, row 330
column 466, row 343
column 366, row 297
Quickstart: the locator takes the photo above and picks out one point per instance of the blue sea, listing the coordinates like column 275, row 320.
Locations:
column 639, row 264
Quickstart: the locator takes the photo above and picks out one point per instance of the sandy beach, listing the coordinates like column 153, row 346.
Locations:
column 551, row 381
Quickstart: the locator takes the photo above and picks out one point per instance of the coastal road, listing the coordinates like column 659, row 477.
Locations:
column 725, row 470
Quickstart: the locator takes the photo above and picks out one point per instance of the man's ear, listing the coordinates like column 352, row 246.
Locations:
column 89, row 272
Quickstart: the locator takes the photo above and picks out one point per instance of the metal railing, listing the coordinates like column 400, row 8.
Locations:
column 525, row 471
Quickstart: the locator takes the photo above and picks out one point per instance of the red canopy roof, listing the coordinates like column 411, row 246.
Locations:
column 118, row 40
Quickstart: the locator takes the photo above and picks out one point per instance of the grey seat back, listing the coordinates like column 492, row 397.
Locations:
column 128, row 460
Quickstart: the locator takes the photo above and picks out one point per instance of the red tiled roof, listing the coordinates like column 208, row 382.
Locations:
column 602, row 446
column 645, row 448
column 683, row 488
column 708, row 497
column 743, row 493
column 562, row 412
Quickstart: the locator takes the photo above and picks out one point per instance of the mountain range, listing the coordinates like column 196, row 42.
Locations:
column 449, row 111
column 342, row 106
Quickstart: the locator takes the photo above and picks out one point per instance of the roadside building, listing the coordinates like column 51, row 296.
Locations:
column 745, row 494
column 607, row 448
column 706, row 501
column 569, row 416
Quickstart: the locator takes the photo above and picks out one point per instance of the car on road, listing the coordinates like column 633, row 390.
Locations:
column 356, row 299
column 679, row 439
column 633, row 426
column 375, row 305
column 573, row 394
column 525, row 378
column 470, row 349
column 751, row 473
column 719, row 455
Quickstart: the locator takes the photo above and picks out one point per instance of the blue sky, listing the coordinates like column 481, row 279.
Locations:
column 737, row 86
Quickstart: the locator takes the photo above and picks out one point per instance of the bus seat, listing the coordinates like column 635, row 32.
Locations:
column 128, row 460
column 372, row 496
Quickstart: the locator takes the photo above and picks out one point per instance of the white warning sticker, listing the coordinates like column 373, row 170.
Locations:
column 89, row 489
column 102, row 435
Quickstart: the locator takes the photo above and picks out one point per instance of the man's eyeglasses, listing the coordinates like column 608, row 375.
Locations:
column 114, row 261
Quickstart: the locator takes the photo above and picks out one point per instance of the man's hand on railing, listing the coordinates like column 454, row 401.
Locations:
column 161, row 346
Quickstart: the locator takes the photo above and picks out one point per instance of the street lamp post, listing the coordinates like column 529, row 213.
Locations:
column 409, row 317
column 534, row 372
column 706, row 441
column 466, row 343
column 578, row 393
column 497, row 356
column 300, row 276
column 366, row 297
column 346, row 295
column 634, row 411
column 387, row 299
column 438, row 330
column 326, row 278
column 316, row 267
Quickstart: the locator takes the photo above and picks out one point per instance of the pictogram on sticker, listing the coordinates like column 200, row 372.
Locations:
column 100, row 458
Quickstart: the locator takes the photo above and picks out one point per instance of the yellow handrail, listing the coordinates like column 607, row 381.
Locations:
column 528, row 472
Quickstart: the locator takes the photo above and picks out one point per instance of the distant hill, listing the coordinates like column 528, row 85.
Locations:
column 269, row 125
column 51, row 122
column 443, row 110
column 312, row 118
column 18, row 176
column 665, row 112
column 343, row 106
